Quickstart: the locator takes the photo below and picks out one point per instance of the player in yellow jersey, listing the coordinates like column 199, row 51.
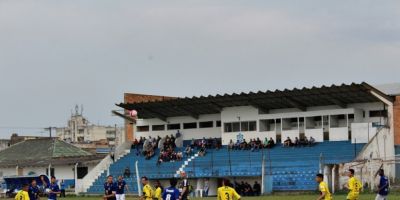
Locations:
column 158, row 191
column 354, row 186
column 227, row 193
column 23, row 194
column 323, row 188
column 147, row 189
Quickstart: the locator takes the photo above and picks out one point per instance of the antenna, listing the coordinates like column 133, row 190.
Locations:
column 76, row 109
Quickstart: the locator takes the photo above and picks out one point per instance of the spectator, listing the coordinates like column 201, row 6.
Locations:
column 312, row 141
column 202, row 151
column 188, row 151
column 192, row 143
column 257, row 189
column 237, row 145
column 296, row 142
column 206, row 187
column 271, row 143
column 287, row 142
column 112, row 156
column 127, row 172
column 304, row 142
column 265, row 142
column 248, row 190
column 231, row 145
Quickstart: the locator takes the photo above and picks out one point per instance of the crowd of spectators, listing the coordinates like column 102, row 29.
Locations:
column 245, row 189
column 299, row 142
column 253, row 144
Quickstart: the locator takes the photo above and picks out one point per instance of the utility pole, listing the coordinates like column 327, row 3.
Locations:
column 49, row 129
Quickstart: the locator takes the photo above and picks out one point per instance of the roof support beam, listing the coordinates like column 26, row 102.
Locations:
column 124, row 116
column 260, row 107
column 295, row 103
column 337, row 102
column 154, row 114
column 188, row 112
column 216, row 106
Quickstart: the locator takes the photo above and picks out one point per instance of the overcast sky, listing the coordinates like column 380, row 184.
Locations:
column 55, row 54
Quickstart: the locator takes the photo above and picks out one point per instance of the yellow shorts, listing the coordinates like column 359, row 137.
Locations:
column 352, row 196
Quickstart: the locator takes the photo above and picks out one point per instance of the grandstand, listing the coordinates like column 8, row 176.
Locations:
column 348, row 122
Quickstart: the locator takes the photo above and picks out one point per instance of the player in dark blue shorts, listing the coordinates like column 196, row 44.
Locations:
column 33, row 190
column 110, row 189
column 171, row 193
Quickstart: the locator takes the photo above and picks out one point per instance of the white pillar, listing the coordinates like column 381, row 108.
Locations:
column 333, row 178
column 76, row 179
column 327, row 175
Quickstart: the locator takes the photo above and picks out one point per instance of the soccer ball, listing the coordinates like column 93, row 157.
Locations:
column 47, row 190
column 133, row 113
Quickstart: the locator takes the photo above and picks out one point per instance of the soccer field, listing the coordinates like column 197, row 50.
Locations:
column 274, row 197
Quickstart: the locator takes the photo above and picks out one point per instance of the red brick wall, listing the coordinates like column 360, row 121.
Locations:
column 396, row 119
column 138, row 98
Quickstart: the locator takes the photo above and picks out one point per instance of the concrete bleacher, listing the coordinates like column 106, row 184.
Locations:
column 292, row 169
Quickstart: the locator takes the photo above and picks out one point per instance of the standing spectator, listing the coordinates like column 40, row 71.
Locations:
column 230, row 145
column 62, row 187
column 383, row 187
column 257, row 189
column 112, row 156
column 206, row 187
column 192, row 143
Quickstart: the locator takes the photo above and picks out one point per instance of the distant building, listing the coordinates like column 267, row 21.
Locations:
column 4, row 144
column 15, row 138
column 48, row 156
column 79, row 130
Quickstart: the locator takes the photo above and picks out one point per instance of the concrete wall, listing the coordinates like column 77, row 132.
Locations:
column 249, row 113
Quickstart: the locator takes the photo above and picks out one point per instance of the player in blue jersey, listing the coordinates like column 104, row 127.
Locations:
column 110, row 189
column 120, row 190
column 33, row 190
column 383, row 187
column 171, row 193
column 54, row 189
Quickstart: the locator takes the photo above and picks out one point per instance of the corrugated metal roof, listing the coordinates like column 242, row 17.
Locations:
column 340, row 95
column 43, row 151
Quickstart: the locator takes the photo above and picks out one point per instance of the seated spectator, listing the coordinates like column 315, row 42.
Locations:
column 127, row 172
column 179, row 156
column 202, row 151
column 236, row 146
column 271, row 143
column 287, row 142
column 296, row 142
column 304, row 142
column 243, row 145
column 188, row 151
column 312, row 141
